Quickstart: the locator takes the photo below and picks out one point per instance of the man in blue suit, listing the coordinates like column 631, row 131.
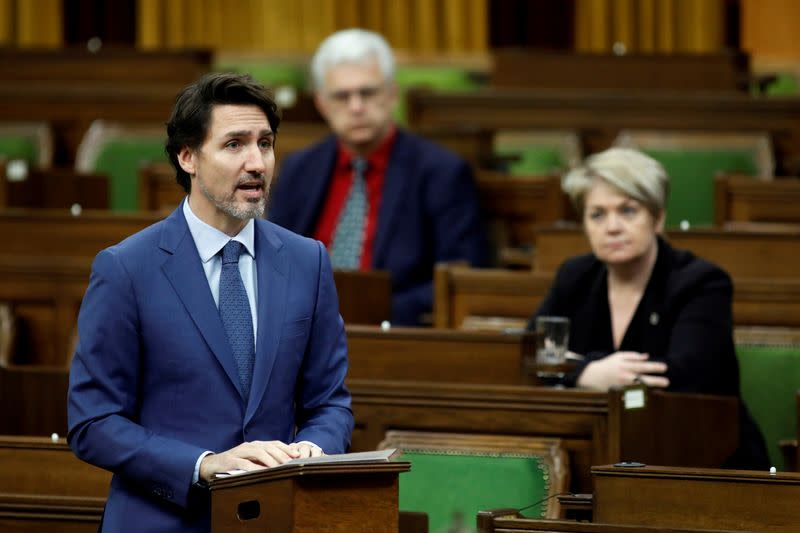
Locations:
column 377, row 196
column 211, row 340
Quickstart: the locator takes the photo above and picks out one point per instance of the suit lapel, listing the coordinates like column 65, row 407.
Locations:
column 185, row 272
column 314, row 184
column 272, row 296
column 393, row 195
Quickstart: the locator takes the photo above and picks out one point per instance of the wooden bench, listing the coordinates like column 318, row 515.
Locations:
column 542, row 69
column 515, row 205
column 744, row 251
column 69, row 88
column 46, row 488
column 435, row 355
column 497, row 299
column 595, row 428
column 599, row 115
column 54, row 189
column 744, row 199
column 696, row 498
column 511, row 521
column 45, row 295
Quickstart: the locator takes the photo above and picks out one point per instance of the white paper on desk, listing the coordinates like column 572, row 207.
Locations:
column 377, row 456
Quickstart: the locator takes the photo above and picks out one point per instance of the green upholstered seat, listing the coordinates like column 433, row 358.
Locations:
column 29, row 141
column 770, row 376
column 455, row 475
column 437, row 77
column 692, row 160
column 271, row 74
column 119, row 151
column 535, row 153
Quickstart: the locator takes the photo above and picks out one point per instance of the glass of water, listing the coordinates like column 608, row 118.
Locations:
column 552, row 339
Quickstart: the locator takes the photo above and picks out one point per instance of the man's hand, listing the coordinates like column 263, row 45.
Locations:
column 306, row 450
column 251, row 456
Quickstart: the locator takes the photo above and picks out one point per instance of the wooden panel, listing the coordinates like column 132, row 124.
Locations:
column 564, row 70
column 46, row 488
column 55, row 189
column 515, row 205
column 510, row 521
column 495, row 299
column 437, row 355
column 22, row 472
column 591, row 425
column 744, row 253
column 697, row 498
column 601, row 114
column 743, row 199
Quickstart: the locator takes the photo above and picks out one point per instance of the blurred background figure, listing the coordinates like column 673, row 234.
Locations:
column 376, row 195
column 640, row 310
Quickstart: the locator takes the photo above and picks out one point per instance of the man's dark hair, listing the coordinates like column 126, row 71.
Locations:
column 189, row 122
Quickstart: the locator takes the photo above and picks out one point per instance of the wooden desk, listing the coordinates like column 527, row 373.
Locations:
column 697, row 498
column 44, row 487
column 542, row 69
column 510, row 521
column 494, row 299
column 600, row 115
column 69, row 88
column 744, row 199
column 515, row 205
column 772, row 253
column 433, row 355
column 594, row 427
column 54, row 189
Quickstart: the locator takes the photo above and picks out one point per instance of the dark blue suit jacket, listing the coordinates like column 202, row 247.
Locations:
column 429, row 213
column 154, row 384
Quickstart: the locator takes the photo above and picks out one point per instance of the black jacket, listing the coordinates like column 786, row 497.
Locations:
column 683, row 319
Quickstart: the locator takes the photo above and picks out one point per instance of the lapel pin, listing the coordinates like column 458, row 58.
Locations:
column 653, row 319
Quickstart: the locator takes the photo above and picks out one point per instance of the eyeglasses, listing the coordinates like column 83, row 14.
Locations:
column 366, row 94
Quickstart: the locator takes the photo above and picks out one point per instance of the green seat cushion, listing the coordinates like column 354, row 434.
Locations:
column 692, row 175
column 269, row 74
column 770, row 376
column 440, row 78
column 446, row 485
column 121, row 159
column 19, row 147
column 532, row 160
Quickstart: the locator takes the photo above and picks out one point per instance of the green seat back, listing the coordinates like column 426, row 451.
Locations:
column 19, row 147
column 440, row 78
column 770, row 376
column 532, row 160
column 121, row 159
column 449, row 484
column 269, row 74
column 692, row 175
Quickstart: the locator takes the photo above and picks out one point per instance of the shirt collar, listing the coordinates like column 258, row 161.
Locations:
column 377, row 159
column 209, row 240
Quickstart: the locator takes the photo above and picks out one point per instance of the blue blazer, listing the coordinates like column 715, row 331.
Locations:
column 429, row 213
column 153, row 382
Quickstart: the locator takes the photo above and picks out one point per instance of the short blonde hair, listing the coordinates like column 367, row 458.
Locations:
column 629, row 171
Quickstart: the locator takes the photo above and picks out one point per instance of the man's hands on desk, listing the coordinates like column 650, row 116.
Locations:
column 255, row 456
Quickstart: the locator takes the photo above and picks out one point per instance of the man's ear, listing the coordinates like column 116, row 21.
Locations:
column 186, row 159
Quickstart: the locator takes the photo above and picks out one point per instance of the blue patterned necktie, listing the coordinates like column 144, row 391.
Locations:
column 348, row 237
column 234, row 308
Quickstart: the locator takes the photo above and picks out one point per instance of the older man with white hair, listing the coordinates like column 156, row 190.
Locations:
column 376, row 195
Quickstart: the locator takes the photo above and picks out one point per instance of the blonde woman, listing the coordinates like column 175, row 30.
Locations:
column 640, row 310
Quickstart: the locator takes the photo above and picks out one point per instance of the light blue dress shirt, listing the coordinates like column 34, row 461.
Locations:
column 209, row 241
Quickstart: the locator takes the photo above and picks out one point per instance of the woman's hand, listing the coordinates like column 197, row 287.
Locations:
column 623, row 368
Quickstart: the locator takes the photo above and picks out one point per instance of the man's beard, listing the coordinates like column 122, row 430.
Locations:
column 253, row 209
